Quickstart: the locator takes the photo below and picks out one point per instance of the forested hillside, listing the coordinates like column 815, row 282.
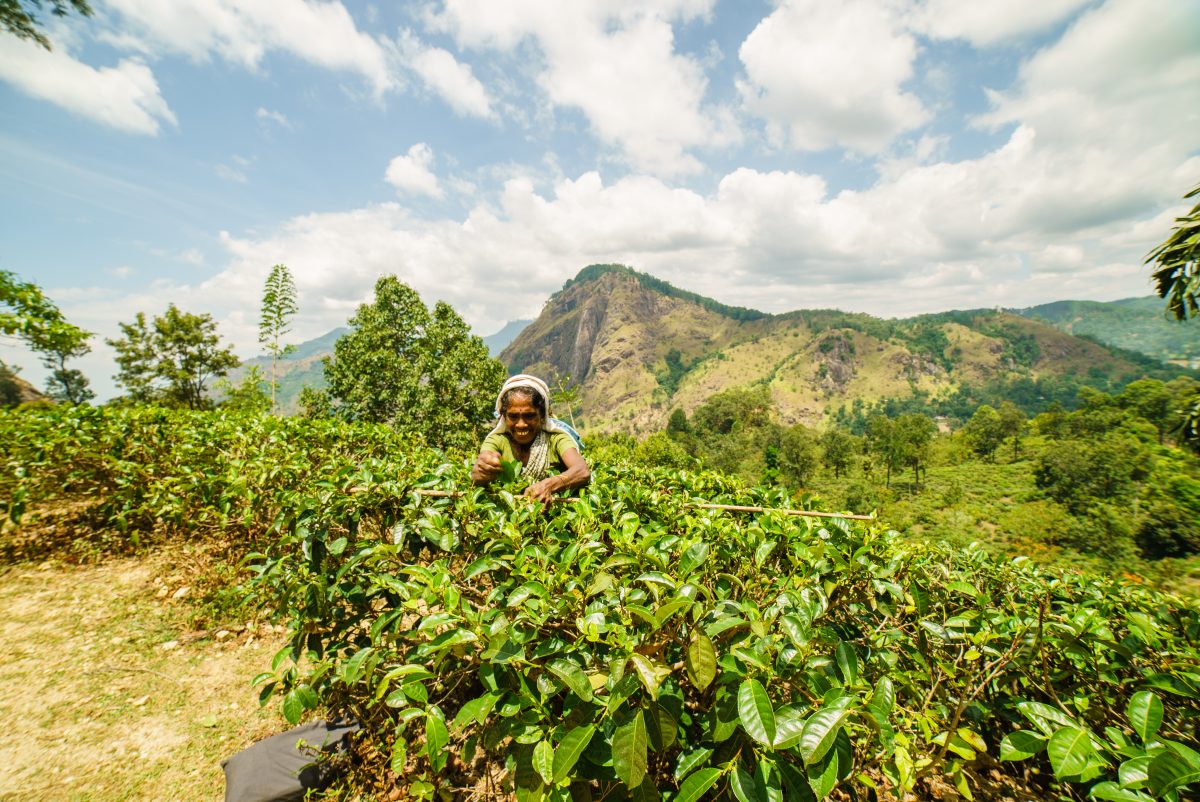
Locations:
column 1135, row 324
column 639, row 348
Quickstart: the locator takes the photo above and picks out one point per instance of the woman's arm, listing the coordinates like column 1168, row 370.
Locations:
column 577, row 474
column 486, row 468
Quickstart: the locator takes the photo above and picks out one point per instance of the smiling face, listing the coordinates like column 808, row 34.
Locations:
column 523, row 419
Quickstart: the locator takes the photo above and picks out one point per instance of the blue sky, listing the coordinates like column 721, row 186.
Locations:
column 887, row 156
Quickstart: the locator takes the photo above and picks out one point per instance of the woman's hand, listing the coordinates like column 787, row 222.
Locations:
column 543, row 491
column 487, row 467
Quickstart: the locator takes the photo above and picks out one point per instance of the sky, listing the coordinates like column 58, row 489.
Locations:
column 894, row 157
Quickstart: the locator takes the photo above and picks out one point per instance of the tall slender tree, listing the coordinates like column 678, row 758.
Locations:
column 278, row 307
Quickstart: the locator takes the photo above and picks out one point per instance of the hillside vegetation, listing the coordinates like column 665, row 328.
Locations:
column 638, row 348
column 630, row 644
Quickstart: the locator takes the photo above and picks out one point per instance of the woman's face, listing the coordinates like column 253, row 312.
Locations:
column 523, row 420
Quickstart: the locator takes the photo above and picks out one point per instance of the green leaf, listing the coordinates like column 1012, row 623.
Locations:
column 573, row 677
column 650, row 672
column 476, row 710
column 1111, row 791
column 701, row 661
column 847, row 662
column 819, row 733
column 693, row 557
column 1135, row 772
column 436, row 738
column 569, row 749
column 697, row 784
column 744, row 786
column 629, row 744
column 1069, row 750
column 1145, row 712
column 543, row 761
column 1169, row 773
column 755, row 712
column 690, row 759
column 789, row 726
column 823, row 775
column 1043, row 716
column 884, row 697
column 1021, row 744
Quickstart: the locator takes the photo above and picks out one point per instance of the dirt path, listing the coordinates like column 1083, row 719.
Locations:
column 105, row 695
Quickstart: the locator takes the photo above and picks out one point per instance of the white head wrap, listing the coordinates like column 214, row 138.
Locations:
column 535, row 384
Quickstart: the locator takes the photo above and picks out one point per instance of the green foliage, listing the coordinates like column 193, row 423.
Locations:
column 629, row 643
column 247, row 395
column 278, row 308
column 1076, row 473
column 1178, row 264
column 171, row 360
column 27, row 314
column 983, row 431
column 838, row 449
column 418, row 372
column 18, row 16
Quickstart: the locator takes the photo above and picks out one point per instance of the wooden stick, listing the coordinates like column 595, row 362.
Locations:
column 806, row 513
column 729, row 507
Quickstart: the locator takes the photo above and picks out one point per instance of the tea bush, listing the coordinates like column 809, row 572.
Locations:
column 628, row 644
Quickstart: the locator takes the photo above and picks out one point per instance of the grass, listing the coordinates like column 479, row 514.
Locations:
column 110, row 692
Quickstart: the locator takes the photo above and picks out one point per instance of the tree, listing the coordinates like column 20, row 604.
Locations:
column 171, row 360
column 420, row 373
column 27, row 314
column 797, row 455
column 839, row 447
column 1178, row 281
column 1012, row 424
column 916, row 436
column 246, row 395
column 565, row 396
column 18, row 18
column 984, row 432
column 278, row 307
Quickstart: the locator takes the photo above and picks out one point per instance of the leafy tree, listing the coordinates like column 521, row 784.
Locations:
column 735, row 409
column 171, row 360
column 17, row 16
column 246, row 395
column 677, row 424
column 916, row 435
column 27, row 314
column 420, row 373
column 797, row 455
column 984, row 432
column 1152, row 400
column 838, row 449
column 1078, row 474
column 1012, row 424
column 278, row 307
column 1178, row 281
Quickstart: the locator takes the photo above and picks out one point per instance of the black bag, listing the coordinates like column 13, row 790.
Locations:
column 283, row 767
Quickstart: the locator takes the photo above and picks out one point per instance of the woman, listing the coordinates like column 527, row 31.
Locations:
column 549, row 456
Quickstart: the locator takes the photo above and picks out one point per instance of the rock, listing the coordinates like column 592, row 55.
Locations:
column 181, row 593
column 224, row 634
column 169, row 645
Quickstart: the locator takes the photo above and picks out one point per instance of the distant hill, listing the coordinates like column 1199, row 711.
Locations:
column 1135, row 324
column 496, row 343
column 639, row 347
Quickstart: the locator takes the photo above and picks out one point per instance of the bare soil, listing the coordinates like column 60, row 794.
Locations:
column 106, row 693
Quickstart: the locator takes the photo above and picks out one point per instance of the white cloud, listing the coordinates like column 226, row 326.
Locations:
column 614, row 62
column 411, row 172
column 832, row 75
column 232, row 174
column 988, row 22
column 125, row 97
column 277, row 117
column 322, row 33
column 452, row 80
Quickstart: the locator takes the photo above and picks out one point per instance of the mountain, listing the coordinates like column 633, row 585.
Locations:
column 497, row 342
column 1135, row 324
column 639, row 348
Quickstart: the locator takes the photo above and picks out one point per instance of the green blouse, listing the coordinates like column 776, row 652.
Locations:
column 559, row 442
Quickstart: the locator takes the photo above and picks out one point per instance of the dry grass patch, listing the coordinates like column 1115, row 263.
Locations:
column 107, row 694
